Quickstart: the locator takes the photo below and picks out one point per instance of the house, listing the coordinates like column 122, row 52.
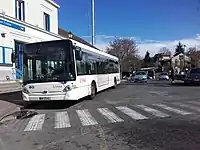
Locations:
column 162, row 61
column 24, row 21
column 180, row 61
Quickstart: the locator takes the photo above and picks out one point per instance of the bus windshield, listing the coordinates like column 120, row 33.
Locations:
column 48, row 62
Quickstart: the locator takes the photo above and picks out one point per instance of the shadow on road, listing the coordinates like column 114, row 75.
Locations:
column 51, row 104
column 148, row 83
column 13, row 97
column 160, row 83
column 186, row 85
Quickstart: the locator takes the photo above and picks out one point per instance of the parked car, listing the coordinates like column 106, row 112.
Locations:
column 193, row 76
column 164, row 76
column 140, row 76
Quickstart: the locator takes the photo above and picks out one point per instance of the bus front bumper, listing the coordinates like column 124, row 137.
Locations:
column 57, row 97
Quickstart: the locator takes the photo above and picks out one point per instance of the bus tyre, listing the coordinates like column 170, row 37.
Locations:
column 115, row 83
column 93, row 91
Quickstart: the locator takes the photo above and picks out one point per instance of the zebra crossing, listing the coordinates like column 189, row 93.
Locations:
column 62, row 120
column 134, row 112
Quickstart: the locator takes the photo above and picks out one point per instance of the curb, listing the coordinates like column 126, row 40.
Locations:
column 10, row 81
column 10, row 91
column 8, row 111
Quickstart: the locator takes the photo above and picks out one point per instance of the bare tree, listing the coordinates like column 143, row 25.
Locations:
column 164, row 50
column 122, row 47
column 194, row 54
column 126, row 50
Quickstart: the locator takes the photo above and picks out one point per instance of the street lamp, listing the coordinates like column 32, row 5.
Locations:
column 184, row 54
column 70, row 35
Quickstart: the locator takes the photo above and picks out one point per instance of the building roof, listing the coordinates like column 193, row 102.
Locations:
column 65, row 34
column 176, row 54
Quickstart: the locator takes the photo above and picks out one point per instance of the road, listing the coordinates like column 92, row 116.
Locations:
column 153, row 116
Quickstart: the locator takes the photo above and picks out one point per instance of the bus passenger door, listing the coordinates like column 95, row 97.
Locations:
column 19, row 48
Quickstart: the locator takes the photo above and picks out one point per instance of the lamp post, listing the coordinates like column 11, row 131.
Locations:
column 184, row 55
column 93, row 22
column 70, row 35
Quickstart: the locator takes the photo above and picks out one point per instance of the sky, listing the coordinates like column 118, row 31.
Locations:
column 151, row 23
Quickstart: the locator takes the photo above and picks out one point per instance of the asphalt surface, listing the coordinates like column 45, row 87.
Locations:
column 135, row 116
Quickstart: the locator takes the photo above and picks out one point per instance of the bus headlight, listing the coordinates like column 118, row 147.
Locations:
column 67, row 88
column 25, row 90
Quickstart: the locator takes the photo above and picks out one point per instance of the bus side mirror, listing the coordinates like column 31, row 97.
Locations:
column 13, row 57
column 78, row 53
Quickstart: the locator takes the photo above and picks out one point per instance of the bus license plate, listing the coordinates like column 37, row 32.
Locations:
column 44, row 98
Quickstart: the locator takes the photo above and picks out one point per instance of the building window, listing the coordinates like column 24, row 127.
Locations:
column 5, row 56
column 46, row 22
column 20, row 10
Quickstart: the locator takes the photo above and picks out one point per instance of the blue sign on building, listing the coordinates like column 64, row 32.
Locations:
column 12, row 25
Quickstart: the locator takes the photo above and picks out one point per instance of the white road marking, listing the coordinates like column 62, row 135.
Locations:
column 86, row 118
column 131, row 113
column 62, row 120
column 175, row 110
column 109, row 115
column 154, row 112
column 188, row 106
column 194, row 102
column 35, row 123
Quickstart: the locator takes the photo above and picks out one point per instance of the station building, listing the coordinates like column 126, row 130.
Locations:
column 24, row 21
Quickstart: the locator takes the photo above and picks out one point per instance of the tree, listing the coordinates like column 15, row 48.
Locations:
column 147, row 57
column 147, row 61
column 180, row 48
column 126, row 50
column 165, row 50
column 122, row 47
column 194, row 54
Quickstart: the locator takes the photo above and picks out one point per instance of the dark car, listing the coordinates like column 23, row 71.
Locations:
column 193, row 76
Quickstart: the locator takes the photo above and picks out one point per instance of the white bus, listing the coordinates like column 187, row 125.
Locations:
column 66, row 70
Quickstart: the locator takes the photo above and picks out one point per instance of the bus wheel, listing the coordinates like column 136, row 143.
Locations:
column 93, row 91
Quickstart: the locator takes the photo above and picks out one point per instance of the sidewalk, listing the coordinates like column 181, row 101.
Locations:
column 10, row 86
column 8, row 90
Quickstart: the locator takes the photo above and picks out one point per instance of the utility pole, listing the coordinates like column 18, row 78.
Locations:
column 93, row 35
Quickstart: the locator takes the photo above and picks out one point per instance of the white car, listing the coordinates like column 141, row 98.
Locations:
column 163, row 76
